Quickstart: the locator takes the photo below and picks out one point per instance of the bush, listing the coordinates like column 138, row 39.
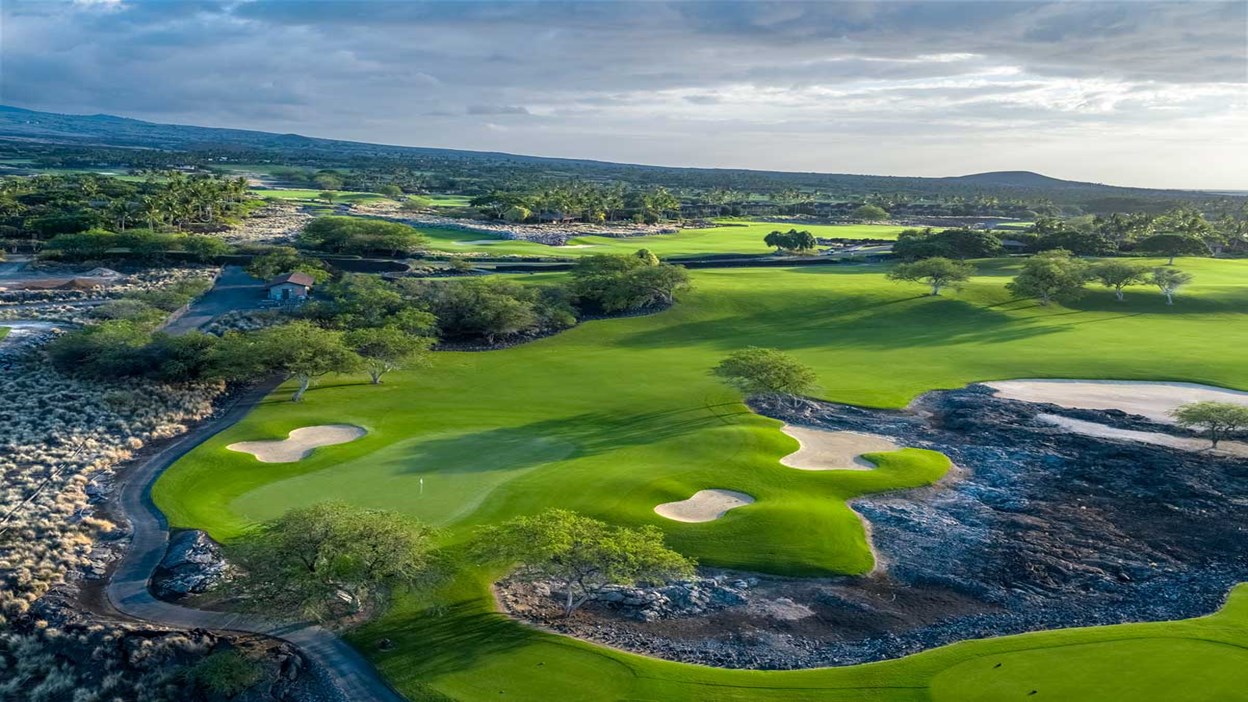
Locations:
column 358, row 235
column 914, row 244
column 492, row 308
column 226, row 673
column 621, row 283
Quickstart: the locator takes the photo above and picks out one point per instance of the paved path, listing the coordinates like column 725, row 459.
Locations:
column 127, row 590
column 234, row 290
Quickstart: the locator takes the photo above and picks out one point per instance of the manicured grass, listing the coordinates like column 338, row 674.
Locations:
column 737, row 237
column 344, row 196
column 616, row 416
column 4, row 331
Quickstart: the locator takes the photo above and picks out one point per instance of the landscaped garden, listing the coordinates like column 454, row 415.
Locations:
column 614, row 417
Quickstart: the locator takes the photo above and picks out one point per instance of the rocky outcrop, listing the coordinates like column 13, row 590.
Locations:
column 193, row 564
column 1036, row 528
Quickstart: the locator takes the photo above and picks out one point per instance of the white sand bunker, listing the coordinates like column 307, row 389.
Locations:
column 300, row 443
column 479, row 242
column 1102, row 431
column 833, row 450
column 1149, row 399
column 704, row 506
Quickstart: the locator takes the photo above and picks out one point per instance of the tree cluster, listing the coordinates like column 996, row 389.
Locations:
column 360, row 235
column 581, row 201
column 792, row 240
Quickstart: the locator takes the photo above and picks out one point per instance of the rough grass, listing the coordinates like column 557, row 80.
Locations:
column 615, row 416
column 735, row 237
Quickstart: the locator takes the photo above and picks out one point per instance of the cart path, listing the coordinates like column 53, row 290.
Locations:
column 353, row 677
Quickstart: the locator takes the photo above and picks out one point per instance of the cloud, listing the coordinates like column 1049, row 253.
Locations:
column 762, row 84
column 497, row 110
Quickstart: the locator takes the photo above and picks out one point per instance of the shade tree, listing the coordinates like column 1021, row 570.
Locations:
column 1168, row 281
column 1217, row 419
column 771, row 373
column 1051, row 275
column 580, row 554
column 938, row 273
column 385, row 349
column 1117, row 275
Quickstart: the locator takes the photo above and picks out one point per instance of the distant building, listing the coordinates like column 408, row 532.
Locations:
column 290, row 286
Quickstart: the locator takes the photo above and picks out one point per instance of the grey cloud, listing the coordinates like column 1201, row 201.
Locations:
column 596, row 77
column 497, row 110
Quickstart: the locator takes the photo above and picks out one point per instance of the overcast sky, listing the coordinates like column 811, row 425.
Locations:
column 1131, row 93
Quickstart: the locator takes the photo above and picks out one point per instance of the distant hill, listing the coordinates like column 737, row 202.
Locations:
column 47, row 128
column 1020, row 179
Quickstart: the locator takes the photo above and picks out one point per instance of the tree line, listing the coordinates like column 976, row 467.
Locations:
column 364, row 323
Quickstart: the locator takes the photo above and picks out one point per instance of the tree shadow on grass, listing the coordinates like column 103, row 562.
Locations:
column 547, row 441
column 855, row 321
column 458, row 637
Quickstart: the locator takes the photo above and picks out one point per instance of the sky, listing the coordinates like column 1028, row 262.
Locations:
column 1130, row 93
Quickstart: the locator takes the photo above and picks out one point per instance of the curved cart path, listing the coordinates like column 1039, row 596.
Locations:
column 348, row 671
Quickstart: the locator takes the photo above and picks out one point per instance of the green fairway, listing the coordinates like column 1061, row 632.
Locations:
column 342, row 197
column 615, row 416
column 734, row 238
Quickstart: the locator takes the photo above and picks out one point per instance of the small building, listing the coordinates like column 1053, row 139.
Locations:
column 289, row 286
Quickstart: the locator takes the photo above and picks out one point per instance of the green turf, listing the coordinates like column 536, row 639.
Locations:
column 341, row 197
column 615, row 416
column 736, row 238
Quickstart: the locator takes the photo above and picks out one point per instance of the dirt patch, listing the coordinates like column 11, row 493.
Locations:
column 834, row 450
column 300, row 443
column 1147, row 399
column 704, row 505
column 1079, row 426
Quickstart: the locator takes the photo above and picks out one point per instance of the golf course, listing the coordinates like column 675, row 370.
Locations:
column 726, row 238
column 616, row 416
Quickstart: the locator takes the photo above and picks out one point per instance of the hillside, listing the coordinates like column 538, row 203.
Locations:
column 29, row 129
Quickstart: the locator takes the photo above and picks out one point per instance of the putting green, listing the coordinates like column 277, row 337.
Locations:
column 616, row 416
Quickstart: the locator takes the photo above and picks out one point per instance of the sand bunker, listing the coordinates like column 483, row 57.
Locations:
column 299, row 443
column 1102, row 431
column 833, row 450
column 704, row 506
column 480, row 242
column 1153, row 400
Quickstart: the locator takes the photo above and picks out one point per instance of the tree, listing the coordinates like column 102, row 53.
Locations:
column 298, row 350
column 1169, row 280
column 391, row 191
column 312, row 559
column 914, row 244
column 619, row 282
column 1219, row 419
column 791, row 240
column 327, row 196
column 388, row 348
column 1077, row 242
column 1172, row 245
column 360, row 235
column 284, row 259
column 1117, row 275
column 937, row 272
column 584, row 555
column 870, row 213
column 1048, row 276
column 766, row 372
column 328, row 181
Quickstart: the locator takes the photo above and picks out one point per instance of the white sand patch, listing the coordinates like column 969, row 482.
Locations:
column 1079, row 426
column 300, row 443
column 479, row 242
column 1153, row 400
column 577, row 246
column 833, row 450
column 704, row 506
